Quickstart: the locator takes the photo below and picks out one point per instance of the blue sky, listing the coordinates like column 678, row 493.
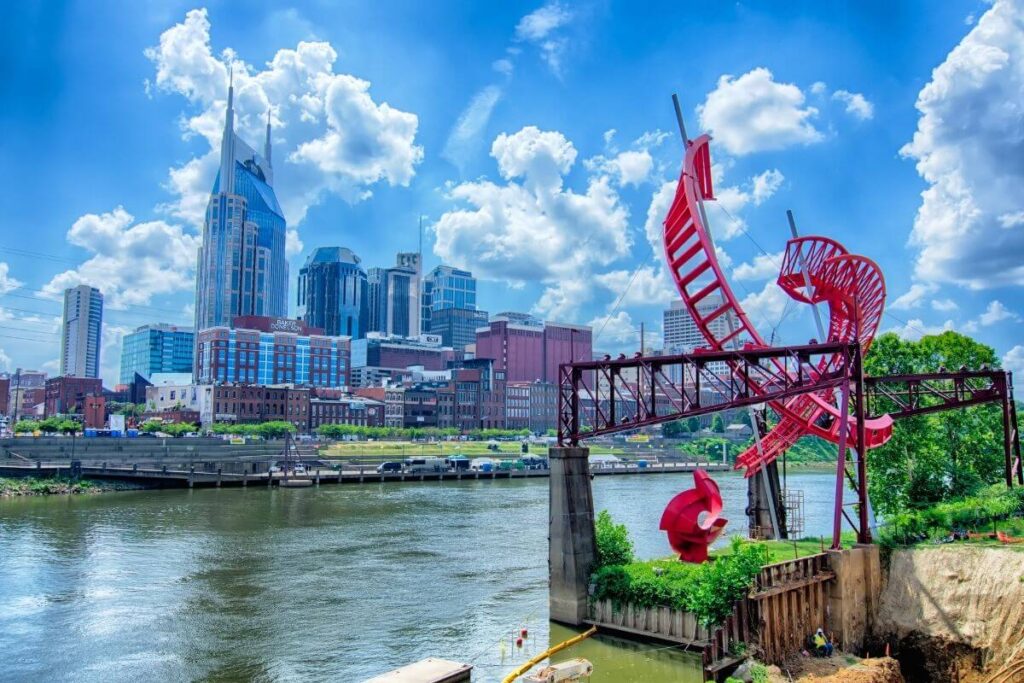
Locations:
column 493, row 121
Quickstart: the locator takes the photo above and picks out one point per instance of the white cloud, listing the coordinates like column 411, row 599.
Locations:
column 540, row 27
column 996, row 312
column 1012, row 220
column 5, row 361
column 654, row 228
column 131, row 262
column 763, row 266
column 645, row 286
column 969, row 150
column 532, row 228
column 330, row 136
column 110, row 353
column 914, row 329
column 766, row 184
column 856, row 104
column 755, row 113
column 7, row 283
column 819, row 88
column 617, row 329
column 914, row 296
column 1014, row 360
column 766, row 307
column 504, row 66
column 650, row 139
column 629, row 168
column 944, row 305
column 464, row 138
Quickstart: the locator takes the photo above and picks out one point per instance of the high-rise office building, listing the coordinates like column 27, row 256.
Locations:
column 681, row 332
column 394, row 298
column 333, row 293
column 82, row 332
column 451, row 288
column 242, row 269
column 457, row 326
column 452, row 307
column 155, row 349
column 528, row 350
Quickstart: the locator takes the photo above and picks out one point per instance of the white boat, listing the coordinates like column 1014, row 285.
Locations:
column 294, row 483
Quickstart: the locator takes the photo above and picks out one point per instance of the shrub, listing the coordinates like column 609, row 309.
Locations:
column 614, row 546
column 709, row 590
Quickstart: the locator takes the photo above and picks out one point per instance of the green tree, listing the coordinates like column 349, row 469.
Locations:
column 673, row 430
column 717, row 424
column 937, row 457
column 614, row 546
column 26, row 426
column 693, row 425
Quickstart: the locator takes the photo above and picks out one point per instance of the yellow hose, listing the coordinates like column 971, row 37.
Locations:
column 547, row 653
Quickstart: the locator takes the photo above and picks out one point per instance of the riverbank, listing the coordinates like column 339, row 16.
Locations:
column 57, row 486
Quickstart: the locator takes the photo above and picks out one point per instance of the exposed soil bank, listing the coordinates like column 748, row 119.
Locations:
column 950, row 613
column 840, row 668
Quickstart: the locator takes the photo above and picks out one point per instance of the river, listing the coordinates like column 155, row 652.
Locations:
column 333, row 583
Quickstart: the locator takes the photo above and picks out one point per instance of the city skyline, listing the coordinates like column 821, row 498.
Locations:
column 503, row 137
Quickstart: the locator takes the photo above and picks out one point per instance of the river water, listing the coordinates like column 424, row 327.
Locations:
column 333, row 583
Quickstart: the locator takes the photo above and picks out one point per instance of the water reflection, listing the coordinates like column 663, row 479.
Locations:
column 335, row 583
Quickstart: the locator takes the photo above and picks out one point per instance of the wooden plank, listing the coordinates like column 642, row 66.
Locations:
column 799, row 583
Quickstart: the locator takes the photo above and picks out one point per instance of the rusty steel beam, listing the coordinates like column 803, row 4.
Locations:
column 614, row 395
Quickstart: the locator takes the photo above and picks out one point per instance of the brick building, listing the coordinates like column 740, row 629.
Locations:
column 95, row 412
column 358, row 411
column 527, row 350
column 66, row 395
column 242, row 404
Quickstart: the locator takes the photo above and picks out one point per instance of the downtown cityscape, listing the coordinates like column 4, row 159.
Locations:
column 556, row 340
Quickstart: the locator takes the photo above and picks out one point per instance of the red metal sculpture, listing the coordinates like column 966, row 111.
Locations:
column 814, row 270
column 692, row 519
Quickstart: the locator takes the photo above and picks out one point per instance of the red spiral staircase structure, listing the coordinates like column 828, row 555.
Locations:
column 814, row 270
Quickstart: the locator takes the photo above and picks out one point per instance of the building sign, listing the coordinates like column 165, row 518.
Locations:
column 117, row 423
column 638, row 438
column 430, row 339
column 285, row 325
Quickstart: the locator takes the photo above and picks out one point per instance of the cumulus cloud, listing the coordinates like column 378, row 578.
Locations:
column 631, row 167
column 131, row 262
column 754, row 113
column 615, row 330
column 914, row 296
column 645, row 286
column 7, row 282
column 532, row 228
column 330, row 135
column 763, row 267
column 944, row 305
column 1014, row 360
column 996, row 312
column 914, row 329
column 766, row 307
column 856, row 104
column 969, row 149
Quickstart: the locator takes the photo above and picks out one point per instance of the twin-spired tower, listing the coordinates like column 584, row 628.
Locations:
column 242, row 268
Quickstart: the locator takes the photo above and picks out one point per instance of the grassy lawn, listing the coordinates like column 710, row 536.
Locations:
column 781, row 551
column 1012, row 527
column 470, row 449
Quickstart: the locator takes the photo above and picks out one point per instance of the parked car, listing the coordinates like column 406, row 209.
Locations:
column 458, row 463
column 535, row 463
column 389, row 467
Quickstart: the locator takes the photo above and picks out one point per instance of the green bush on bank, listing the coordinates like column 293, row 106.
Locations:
column 990, row 505
column 708, row 590
column 338, row 431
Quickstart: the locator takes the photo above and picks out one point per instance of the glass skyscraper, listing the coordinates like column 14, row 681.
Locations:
column 156, row 348
column 453, row 313
column 333, row 293
column 242, row 269
column 451, row 288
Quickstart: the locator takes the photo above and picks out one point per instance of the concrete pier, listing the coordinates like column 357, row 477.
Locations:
column 572, row 548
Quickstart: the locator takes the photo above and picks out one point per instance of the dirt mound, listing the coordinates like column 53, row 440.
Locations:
column 840, row 668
